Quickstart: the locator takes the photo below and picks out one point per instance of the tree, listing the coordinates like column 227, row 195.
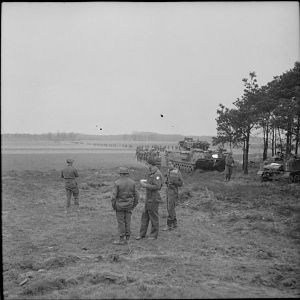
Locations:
column 227, row 133
column 247, row 114
column 265, row 107
column 284, row 89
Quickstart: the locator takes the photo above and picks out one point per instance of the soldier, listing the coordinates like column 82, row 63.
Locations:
column 174, row 180
column 124, row 199
column 69, row 174
column 229, row 163
column 150, row 213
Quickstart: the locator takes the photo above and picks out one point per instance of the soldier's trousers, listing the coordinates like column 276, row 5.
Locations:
column 228, row 172
column 75, row 193
column 171, row 204
column 124, row 220
column 150, row 214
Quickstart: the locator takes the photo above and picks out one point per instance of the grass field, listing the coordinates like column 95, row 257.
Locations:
column 57, row 160
column 235, row 239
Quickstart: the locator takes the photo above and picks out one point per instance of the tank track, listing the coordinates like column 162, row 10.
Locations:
column 183, row 166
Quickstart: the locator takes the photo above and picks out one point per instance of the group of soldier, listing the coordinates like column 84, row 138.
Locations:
column 143, row 154
column 125, row 198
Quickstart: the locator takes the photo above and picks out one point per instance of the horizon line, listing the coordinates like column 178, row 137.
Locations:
column 133, row 133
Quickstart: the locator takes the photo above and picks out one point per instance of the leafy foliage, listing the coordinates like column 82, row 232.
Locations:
column 273, row 109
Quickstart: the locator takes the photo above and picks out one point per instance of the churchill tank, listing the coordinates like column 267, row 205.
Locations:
column 195, row 154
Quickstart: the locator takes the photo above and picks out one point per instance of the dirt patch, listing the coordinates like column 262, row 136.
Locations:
column 45, row 286
column 58, row 262
column 104, row 277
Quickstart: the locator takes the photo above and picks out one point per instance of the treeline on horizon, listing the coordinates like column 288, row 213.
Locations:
column 71, row 136
column 134, row 137
column 272, row 110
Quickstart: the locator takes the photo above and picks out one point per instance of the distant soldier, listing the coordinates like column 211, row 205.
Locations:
column 124, row 199
column 174, row 181
column 69, row 174
column 229, row 163
column 153, row 185
column 137, row 150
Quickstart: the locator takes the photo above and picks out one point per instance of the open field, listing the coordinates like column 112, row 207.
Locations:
column 54, row 160
column 235, row 239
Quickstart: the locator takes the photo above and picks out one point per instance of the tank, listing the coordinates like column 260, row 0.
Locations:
column 195, row 154
column 277, row 169
column 292, row 169
column 271, row 169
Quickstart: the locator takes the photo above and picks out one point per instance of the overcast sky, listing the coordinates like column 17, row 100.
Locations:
column 75, row 67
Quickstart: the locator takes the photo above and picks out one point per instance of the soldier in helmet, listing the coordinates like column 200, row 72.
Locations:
column 150, row 213
column 124, row 199
column 69, row 174
column 174, row 181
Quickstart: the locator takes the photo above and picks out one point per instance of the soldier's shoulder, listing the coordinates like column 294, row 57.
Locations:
column 118, row 181
column 130, row 180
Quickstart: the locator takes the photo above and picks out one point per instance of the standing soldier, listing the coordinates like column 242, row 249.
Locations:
column 229, row 163
column 69, row 174
column 124, row 199
column 150, row 213
column 137, row 153
column 174, row 180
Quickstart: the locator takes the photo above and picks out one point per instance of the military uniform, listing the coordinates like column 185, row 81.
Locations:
column 174, row 180
column 69, row 174
column 124, row 199
column 228, row 166
column 150, row 213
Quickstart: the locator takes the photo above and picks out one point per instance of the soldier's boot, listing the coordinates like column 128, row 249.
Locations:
column 175, row 225
column 67, row 209
column 122, row 241
column 127, row 237
column 167, row 228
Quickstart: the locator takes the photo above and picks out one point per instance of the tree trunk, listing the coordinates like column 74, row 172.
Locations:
column 247, row 151
column 266, row 142
column 243, row 155
column 281, row 146
column 273, row 140
column 288, row 146
column 297, row 135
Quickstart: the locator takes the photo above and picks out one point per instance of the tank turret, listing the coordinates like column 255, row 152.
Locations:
column 195, row 154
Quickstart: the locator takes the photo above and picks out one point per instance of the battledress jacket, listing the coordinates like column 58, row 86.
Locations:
column 124, row 195
column 229, row 161
column 174, row 180
column 69, row 174
column 153, row 186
